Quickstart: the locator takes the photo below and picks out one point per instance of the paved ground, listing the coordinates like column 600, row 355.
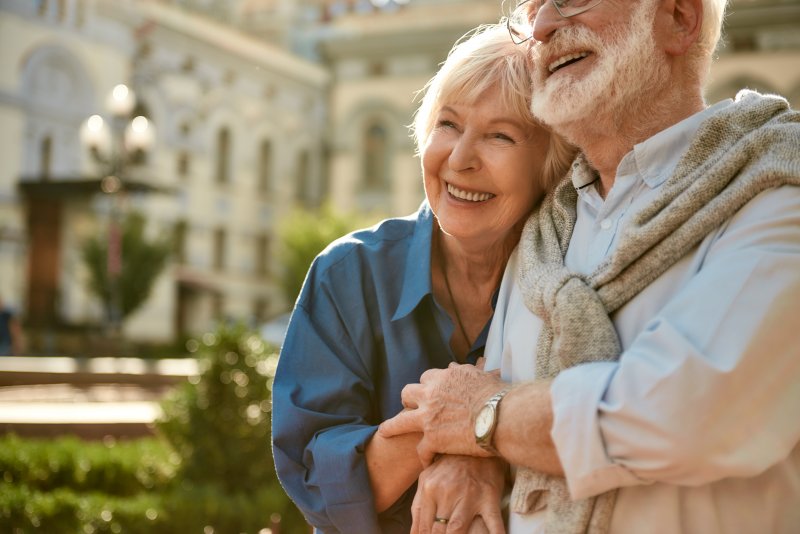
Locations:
column 91, row 398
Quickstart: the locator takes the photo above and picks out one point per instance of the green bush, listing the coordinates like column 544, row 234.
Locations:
column 219, row 423
column 62, row 511
column 117, row 468
column 210, row 470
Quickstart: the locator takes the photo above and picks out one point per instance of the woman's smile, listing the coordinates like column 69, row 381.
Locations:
column 469, row 196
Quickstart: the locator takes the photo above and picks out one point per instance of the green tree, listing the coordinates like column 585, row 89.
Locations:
column 303, row 235
column 142, row 260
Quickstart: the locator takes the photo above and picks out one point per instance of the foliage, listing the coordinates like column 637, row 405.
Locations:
column 210, row 470
column 142, row 260
column 220, row 426
column 193, row 509
column 219, row 423
column 303, row 235
column 113, row 467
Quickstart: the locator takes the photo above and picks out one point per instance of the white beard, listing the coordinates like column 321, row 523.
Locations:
column 627, row 70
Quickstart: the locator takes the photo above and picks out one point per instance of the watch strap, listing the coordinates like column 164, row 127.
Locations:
column 485, row 441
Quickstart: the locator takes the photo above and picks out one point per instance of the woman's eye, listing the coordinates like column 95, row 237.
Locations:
column 446, row 124
column 501, row 136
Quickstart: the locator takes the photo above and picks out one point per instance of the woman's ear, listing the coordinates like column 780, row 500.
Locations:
column 680, row 22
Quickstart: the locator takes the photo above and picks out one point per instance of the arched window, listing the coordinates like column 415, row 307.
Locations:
column 223, row 154
column 180, row 234
column 265, row 167
column 46, row 157
column 55, row 82
column 262, row 255
column 183, row 164
column 220, row 243
column 303, row 193
column 376, row 157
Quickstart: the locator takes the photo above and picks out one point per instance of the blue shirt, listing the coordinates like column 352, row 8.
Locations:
column 365, row 325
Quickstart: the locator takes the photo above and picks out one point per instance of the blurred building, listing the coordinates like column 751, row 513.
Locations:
column 258, row 105
column 240, row 126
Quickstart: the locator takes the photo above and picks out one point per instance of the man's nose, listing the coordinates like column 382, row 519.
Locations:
column 546, row 21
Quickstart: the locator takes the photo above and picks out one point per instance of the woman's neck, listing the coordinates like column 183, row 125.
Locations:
column 464, row 279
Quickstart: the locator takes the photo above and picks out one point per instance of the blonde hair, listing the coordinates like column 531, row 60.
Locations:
column 483, row 59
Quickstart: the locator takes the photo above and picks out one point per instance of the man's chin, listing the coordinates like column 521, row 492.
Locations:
column 557, row 108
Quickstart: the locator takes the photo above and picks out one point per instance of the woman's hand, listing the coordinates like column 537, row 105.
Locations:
column 464, row 490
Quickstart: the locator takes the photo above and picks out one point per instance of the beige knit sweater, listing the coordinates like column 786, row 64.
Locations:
column 737, row 153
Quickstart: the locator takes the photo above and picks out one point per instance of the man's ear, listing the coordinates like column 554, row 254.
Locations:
column 680, row 22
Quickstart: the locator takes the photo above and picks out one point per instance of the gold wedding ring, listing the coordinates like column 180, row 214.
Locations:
column 442, row 520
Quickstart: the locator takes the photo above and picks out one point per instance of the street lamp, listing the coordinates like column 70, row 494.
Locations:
column 116, row 145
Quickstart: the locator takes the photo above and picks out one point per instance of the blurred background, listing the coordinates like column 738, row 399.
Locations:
column 168, row 168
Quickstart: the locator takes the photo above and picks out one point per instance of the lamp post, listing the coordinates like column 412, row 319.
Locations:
column 116, row 145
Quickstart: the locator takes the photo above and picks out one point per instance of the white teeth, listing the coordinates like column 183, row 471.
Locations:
column 466, row 195
column 564, row 59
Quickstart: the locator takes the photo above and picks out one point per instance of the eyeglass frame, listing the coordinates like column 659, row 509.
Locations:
column 518, row 39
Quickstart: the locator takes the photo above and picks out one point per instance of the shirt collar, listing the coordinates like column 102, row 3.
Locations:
column 656, row 158
column 417, row 276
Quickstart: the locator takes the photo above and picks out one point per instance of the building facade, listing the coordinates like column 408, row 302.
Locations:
column 258, row 106
column 239, row 125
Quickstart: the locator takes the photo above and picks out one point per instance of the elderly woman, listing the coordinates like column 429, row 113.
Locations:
column 380, row 306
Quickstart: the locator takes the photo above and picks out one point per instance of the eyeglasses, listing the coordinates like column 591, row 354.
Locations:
column 519, row 20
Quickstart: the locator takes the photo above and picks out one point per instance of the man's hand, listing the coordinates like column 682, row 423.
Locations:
column 443, row 406
column 462, row 489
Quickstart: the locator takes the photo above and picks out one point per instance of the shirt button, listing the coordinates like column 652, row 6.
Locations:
column 605, row 224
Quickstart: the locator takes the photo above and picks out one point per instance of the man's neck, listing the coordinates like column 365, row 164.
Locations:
column 606, row 142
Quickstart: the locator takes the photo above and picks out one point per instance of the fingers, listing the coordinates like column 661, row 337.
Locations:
column 478, row 526
column 427, row 514
column 431, row 375
column 492, row 521
column 411, row 394
column 425, row 453
column 402, row 423
column 459, row 519
column 416, row 510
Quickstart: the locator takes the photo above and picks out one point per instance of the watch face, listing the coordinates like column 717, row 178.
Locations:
column 484, row 421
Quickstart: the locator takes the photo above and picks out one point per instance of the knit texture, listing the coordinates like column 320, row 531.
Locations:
column 739, row 152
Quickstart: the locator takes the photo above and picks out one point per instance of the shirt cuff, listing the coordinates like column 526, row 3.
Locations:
column 576, row 394
column 340, row 472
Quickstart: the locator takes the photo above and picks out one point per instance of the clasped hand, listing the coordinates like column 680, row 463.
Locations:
column 442, row 406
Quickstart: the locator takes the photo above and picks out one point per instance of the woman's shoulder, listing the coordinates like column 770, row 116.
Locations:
column 386, row 238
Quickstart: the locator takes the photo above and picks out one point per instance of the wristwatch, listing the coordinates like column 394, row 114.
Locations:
column 486, row 422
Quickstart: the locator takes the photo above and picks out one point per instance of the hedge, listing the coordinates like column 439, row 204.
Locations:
column 203, row 510
column 119, row 468
column 208, row 471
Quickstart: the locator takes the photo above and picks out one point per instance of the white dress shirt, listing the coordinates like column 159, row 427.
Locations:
column 698, row 423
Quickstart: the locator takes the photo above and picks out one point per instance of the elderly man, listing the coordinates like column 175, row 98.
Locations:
column 650, row 320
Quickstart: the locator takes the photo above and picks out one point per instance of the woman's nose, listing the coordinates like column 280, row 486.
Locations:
column 464, row 155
